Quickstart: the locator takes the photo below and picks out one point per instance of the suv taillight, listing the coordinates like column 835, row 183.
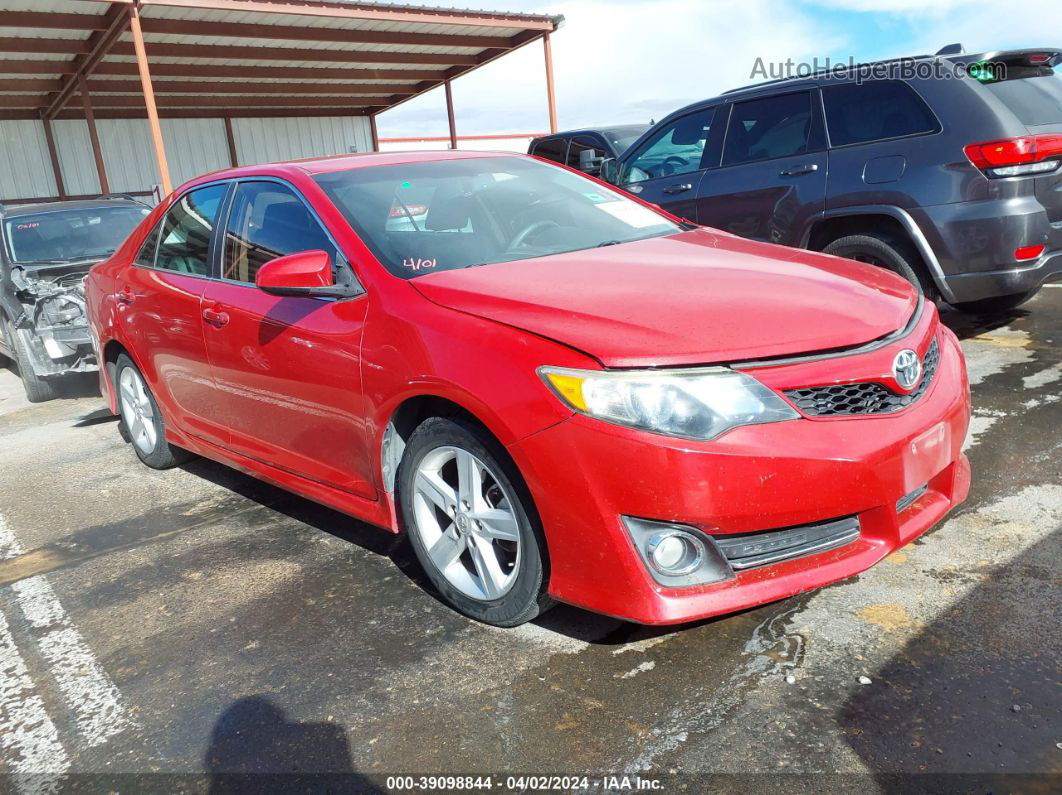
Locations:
column 1015, row 157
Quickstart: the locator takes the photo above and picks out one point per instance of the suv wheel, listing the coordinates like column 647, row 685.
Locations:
column 996, row 305
column 142, row 423
column 471, row 524
column 898, row 256
column 37, row 389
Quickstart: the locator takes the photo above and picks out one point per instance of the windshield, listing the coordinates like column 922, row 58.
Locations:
column 423, row 217
column 68, row 235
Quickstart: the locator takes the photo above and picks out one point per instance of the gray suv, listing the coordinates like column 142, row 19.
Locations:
column 949, row 172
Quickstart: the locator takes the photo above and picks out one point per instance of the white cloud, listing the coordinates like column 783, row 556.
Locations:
column 635, row 60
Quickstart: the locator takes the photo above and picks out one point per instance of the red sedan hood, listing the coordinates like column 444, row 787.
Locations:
column 694, row 298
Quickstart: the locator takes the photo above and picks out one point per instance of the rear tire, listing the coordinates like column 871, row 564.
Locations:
column 996, row 305
column 142, row 421
column 481, row 545
column 890, row 253
column 37, row 389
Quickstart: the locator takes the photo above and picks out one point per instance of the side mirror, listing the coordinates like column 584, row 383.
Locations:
column 608, row 170
column 589, row 162
column 304, row 273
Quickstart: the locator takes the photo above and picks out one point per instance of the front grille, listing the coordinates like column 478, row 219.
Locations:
column 865, row 398
column 746, row 550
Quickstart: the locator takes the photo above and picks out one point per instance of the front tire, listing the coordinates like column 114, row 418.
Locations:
column 472, row 524
column 892, row 254
column 142, row 420
column 37, row 389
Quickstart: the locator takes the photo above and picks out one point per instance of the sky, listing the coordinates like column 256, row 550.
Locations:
column 637, row 60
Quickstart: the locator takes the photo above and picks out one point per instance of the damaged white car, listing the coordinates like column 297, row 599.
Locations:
column 46, row 251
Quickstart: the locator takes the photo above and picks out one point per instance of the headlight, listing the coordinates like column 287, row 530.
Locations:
column 693, row 404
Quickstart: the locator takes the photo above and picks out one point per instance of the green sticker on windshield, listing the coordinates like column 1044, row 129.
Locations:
column 406, row 184
column 595, row 197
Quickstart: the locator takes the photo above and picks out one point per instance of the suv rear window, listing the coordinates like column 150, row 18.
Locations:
column 1034, row 100
column 874, row 111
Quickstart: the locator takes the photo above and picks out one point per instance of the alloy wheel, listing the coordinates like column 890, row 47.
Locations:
column 467, row 523
column 137, row 410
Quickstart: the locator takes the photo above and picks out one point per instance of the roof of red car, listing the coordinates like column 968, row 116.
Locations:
column 325, row 165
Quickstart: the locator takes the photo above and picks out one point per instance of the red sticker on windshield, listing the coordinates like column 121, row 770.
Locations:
column 418, row 264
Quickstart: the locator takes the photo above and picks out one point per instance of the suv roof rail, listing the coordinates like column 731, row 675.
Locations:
column 952, row 49
column 840, row 67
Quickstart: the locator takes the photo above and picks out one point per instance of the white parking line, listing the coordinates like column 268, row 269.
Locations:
column 26, row 731
column 86, row 687
column 88, row 691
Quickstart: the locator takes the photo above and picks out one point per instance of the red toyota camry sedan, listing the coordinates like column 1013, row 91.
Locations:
column 559, row 392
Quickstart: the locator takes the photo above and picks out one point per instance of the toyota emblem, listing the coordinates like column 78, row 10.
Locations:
column 907, row 368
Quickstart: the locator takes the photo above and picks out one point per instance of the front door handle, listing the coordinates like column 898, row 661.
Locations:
column 797, row 171
column 685, row 186
column 215, row 317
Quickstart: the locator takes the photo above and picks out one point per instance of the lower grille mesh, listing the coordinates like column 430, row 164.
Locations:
column 863, row 398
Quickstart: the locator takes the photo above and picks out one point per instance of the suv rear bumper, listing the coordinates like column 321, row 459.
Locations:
column 974, row 244
column 974, row 286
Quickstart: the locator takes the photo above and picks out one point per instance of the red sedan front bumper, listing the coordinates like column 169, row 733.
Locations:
column 585, row 474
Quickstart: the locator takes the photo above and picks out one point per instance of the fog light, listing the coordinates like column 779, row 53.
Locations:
column 1029, row 252
column 677, row 555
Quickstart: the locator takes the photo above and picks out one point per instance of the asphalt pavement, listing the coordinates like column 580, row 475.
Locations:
column 196, row 623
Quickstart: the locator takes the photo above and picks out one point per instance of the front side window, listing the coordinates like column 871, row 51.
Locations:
column 69, row 235
column 676, row 149
column 268, row 220
column 761, row 129
column 582, row 144
column 874, row 111
column 184, row 246
column 481, row 210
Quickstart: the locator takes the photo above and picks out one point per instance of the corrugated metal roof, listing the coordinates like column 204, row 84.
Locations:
column 191, row 41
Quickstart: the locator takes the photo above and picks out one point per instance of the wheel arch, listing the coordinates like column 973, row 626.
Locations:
column 833, row 224
column 411, row 411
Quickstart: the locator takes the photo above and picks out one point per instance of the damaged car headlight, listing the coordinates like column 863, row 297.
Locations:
column 693, row 403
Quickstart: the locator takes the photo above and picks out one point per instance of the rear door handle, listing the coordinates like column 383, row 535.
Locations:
column 124, row 296
column 797, row 171
column 685, row 186
column 215, row 317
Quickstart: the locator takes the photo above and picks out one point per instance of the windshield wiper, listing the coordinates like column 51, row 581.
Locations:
column 609, row 243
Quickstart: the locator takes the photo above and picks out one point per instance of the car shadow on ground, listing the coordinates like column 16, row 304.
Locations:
column 966, row 325
column 571, row 622
column 976, row 692
column 255, row 748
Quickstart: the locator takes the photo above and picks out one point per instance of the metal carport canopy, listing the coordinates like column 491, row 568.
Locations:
column 62, row 59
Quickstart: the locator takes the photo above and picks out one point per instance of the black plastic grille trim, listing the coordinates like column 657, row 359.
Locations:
column 868, row 397
column 747, row 550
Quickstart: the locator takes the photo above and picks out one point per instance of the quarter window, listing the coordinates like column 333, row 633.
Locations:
column 186, row 232
column 761, row 129
column 677, row 149
column 268, row 220
column 873, row 111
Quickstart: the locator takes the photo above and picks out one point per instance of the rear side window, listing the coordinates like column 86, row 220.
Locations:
column 186, row 232
column 1034, row 100
column 268, row 220
column 551, row 149
column 874, row 111
column 146, row 256
column 761, row 129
